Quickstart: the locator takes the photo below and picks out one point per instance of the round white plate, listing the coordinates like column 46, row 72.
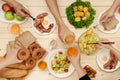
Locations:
column 100, row 63
column 2, row 18
column 50, row 19
column 50, row 58
column 101, row 28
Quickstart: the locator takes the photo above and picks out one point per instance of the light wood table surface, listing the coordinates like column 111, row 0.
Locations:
column 34, row 6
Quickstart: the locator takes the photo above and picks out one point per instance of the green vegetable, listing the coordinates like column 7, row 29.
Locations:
column 84, row 45
column 9, row 15
column 19, row 18
column 71, row 18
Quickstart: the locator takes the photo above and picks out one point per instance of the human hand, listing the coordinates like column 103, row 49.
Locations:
column 11, row 56
column 20, row 9
column 104, row 45
column 65, row 34
column 106, row 16
column 75, row 60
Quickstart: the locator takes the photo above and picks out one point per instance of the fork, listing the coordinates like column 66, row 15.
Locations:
column 96, row 26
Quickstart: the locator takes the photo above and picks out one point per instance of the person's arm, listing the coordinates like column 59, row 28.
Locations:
column 110, row 12
column 76, row 63
column 115, row 52
column 108, row 46
column 19, row 8
column 115, row 5
column 10, row 58
column 52, row 4
column 64, row 33
column 3, row 63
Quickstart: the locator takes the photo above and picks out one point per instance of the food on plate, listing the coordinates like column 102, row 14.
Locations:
column 21, row 66
column 30, row 63
column 6, row 7
column 19, row 18
column 72, row 51
column 15, row 28
column 9, row 15
column 111, row 64
column 80, row 14
column 19, row 70
column 110, row 25
column 42, row 65
column 25, row 39
column 40, row 23
column 12, row 73
column 45, row 22
column 89, row 32
column 103, row 56
column 42, row 15
column 69, row 39
column 38, row 53
column 85, row 42
column 23, row 54
column 33, row 47
column 90, row 71
column 119, row 10
column 60, row 63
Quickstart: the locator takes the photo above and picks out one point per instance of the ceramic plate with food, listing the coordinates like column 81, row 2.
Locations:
column 80, row 14
column 107, row 61
column 86, row 42
column 7, row 14
column 111, row 27
column 45, row 23
column 58, row 64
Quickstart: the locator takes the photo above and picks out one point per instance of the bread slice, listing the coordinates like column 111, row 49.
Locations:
column 26, row 38
column 110, row 25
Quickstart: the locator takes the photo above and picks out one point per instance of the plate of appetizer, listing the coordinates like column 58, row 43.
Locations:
column 86, row 42
column 44, row 24
column 8, row 15
column 107, row 61
column 80, row 14
column 112, row 26
column 58, row 64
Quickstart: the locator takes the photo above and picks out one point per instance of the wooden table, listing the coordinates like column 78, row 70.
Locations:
column 34, row 6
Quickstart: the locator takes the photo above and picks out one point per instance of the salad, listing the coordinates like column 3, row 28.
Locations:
column 85, row 41
column 60, row 63
column 80, row 14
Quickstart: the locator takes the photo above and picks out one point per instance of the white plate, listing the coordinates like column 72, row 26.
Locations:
column 50, row 19
column 8, row 21
column 50, row 58
column 101, row 28
column 100, row 63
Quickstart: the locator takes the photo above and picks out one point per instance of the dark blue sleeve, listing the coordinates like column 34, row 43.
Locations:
column 85, row 78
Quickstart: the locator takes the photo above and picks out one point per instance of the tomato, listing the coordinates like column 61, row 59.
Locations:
column 12, row 9
column 66, row 70
column 6, row 7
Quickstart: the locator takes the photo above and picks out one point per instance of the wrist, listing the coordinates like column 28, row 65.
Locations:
column 12, row 3
column 3, row 63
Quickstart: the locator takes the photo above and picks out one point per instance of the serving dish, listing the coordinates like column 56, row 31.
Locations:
column 49, row 18
column 101, row 28
column 80, row 14
column 49, row 63
column 2, row 18
column 85, row 42
column 100, row 56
